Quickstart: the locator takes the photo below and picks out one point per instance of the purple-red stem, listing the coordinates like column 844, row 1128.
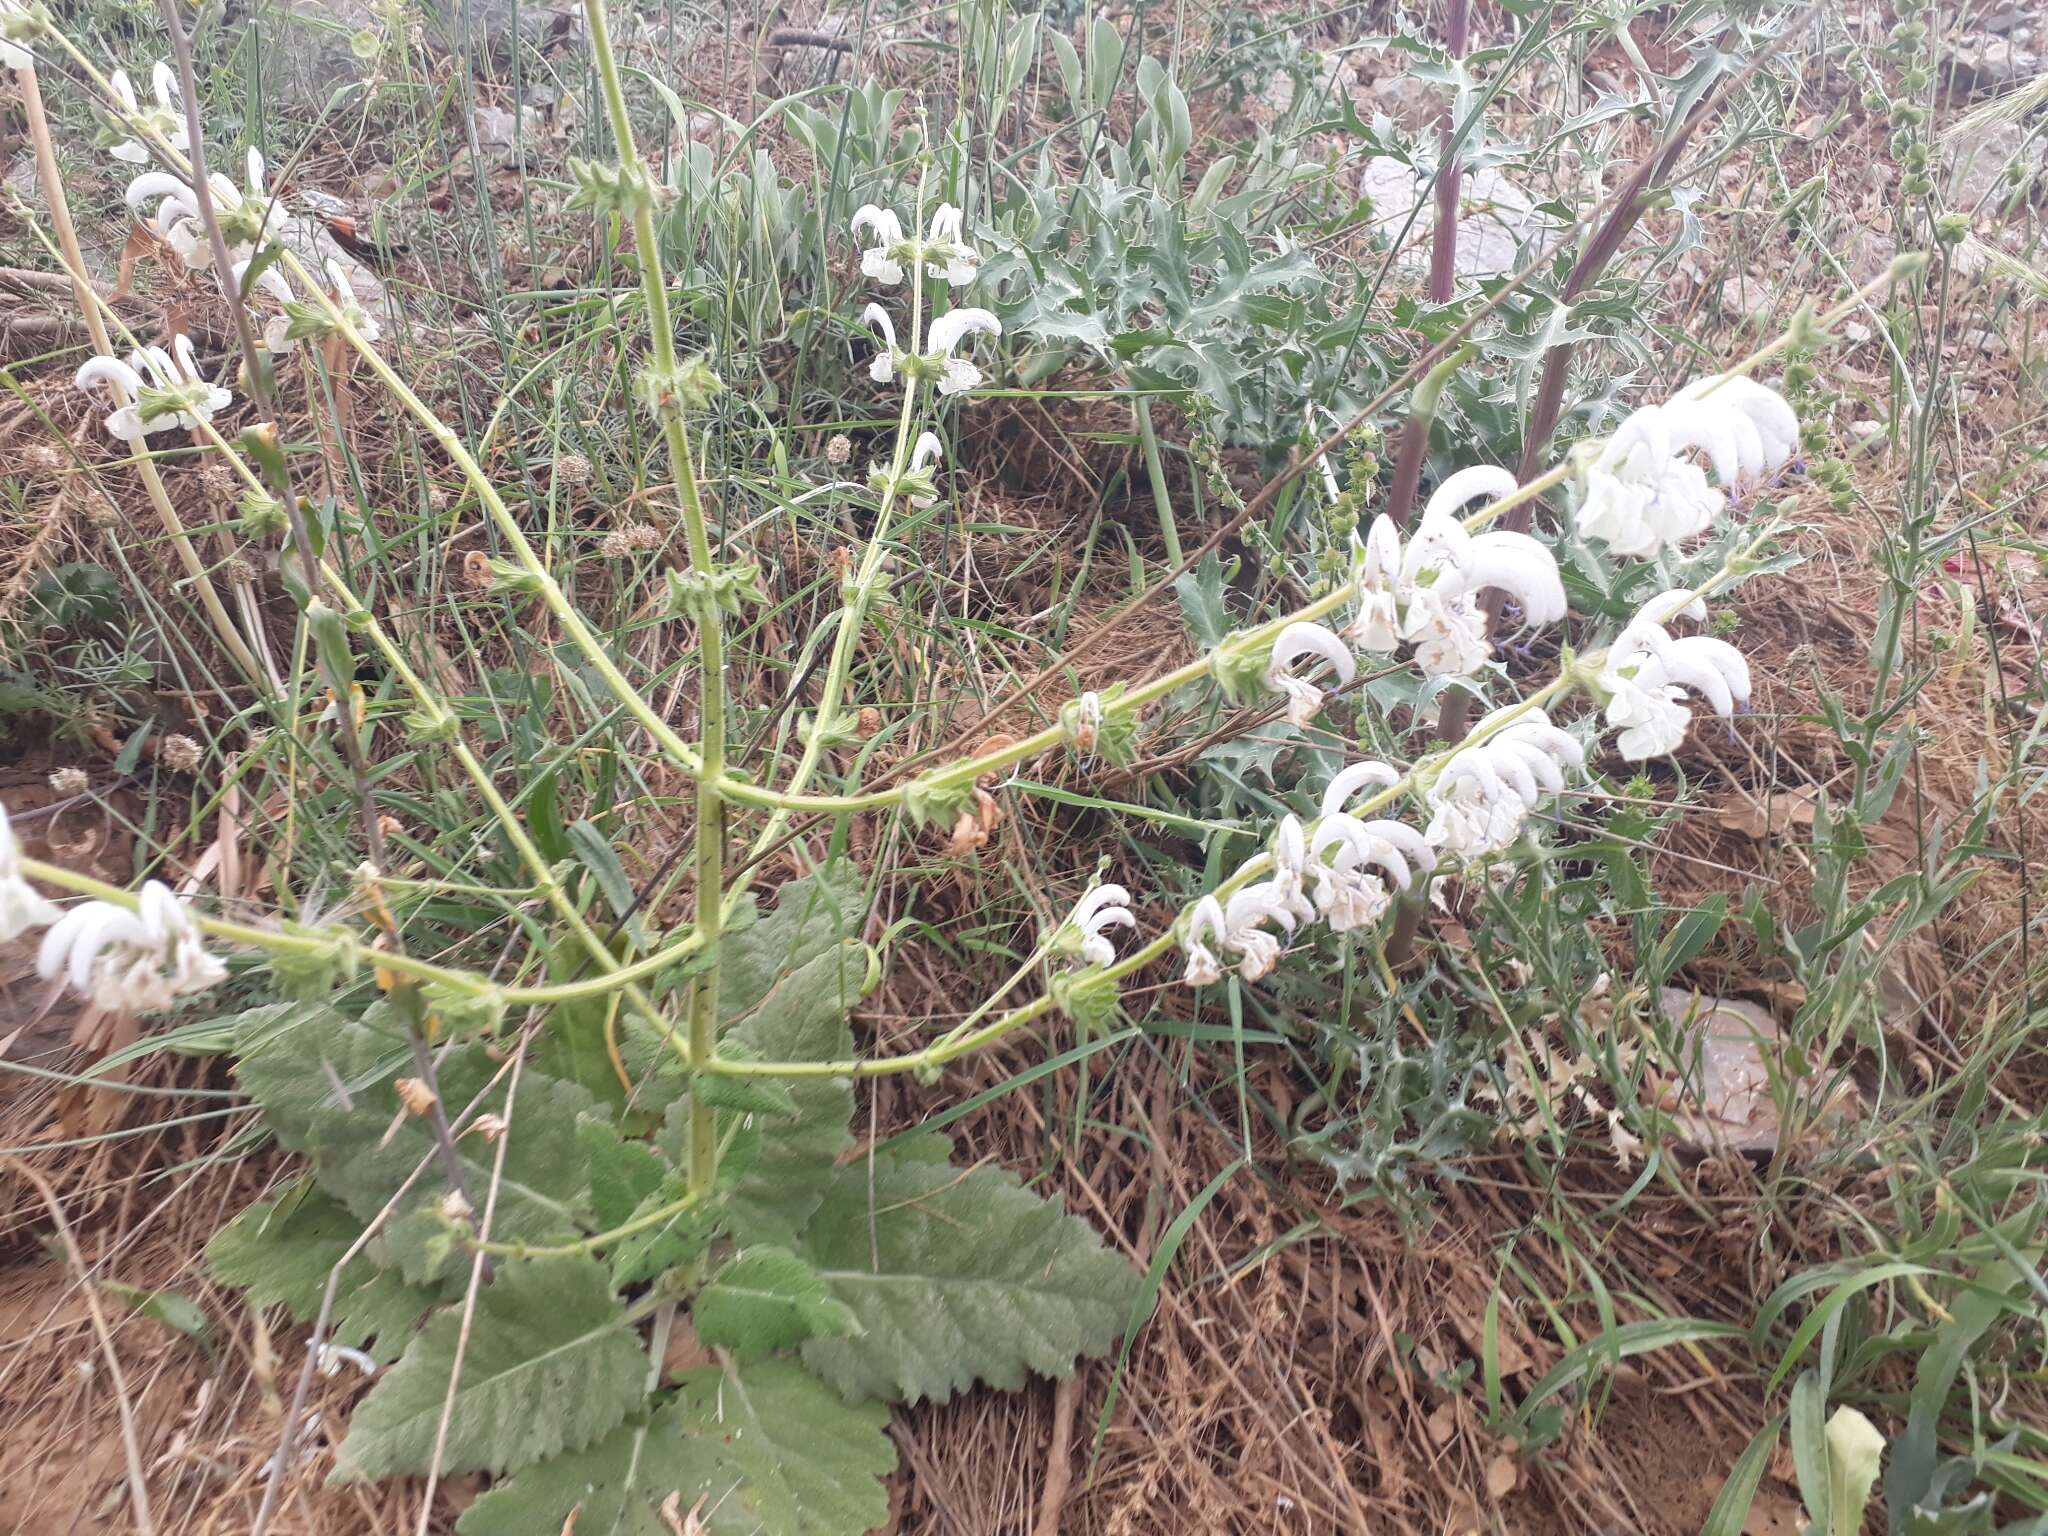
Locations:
column 1443, row 270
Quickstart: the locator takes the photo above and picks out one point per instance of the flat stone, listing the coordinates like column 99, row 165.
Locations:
column 1723, row 1101
column 1494, row 215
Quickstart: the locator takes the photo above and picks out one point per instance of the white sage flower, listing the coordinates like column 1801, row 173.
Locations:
column 1348, row 781
column 1375, row 577
column 166, row 120
column 364, row 323
column 1103, row 908
column 137, row 961
column 12, row 54
column 1205, row 927
column 1448, row 632
column 1296, row 641
column 1348, row 893
column 1244, row 917
column 947, row 254
column 1642, row 492
column 957, row 374
column 927, row 452
column 882, row 367
column 22, row 906
column 1486, row 791
column 173, row 395
column 882, row 261
column 1648, row 671
column 330, row 1358
column 1290, row 868
column 1452, row 562
column 276, row 327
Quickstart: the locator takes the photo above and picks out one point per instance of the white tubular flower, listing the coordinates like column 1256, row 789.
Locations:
column 1376, row 571
column 1349, row 781
column 167, row 120
column 883, row 366
column 330, row 1358
column 1290, row 866
column 174, row 394
column 947, row 254
column 1448, row 633
column 1205, row 927
column 1650, row 714
column 1348, row 894
column 136, row 961
column 1296, row 641
column 22, row 906
column 883, row 260
column 1641, row 492
column 1243, row 933
column 272, row 284
column 1451, row 562
column 1103, row 908
column 957, row 374
column 364, row 323
column 926, row 453
column 1647, row 670
column 1485, row 792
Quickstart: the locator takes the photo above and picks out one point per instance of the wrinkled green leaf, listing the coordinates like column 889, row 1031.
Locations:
column 766, row 1299
column 551, row 1365
column 958, row 1276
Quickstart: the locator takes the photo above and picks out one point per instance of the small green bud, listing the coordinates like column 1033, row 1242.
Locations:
column 263, row 516
column 936, row 798
column 621, row 189
column 702, row 595
column 510, row 576
column 1875, row 101
column 431, row 723
column 1951, row 228
column 462, row 1012
column 308, row 974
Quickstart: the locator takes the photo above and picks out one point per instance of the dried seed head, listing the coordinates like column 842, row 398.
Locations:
column 838, row 448
column 415, row 1095
column 490, row 1127
column 476, row 571
column 43, row 458
column 240, row 570
column 868, row 722
column 180, row 754
column 455, row 1208
column 68, row 782
column 572, row 469
column 102, row 513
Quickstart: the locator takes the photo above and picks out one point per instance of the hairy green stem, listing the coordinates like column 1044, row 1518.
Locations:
column 710, row 830
column 1155, row 471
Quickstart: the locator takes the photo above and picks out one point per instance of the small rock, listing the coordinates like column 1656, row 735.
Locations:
column 1412, row 103
column 1990, row 343
column 1863, row 431
column 1990, row 63
column 1855, row 332
column 1990, row 167
column 1495, row 216
column 1723, row 1098
column 498, row 129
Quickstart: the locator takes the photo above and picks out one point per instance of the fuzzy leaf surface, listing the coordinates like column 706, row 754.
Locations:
column 767, row 1299
column 978, row 1279
column 280, row 1251
column 551, row 1366
column 614, row 1488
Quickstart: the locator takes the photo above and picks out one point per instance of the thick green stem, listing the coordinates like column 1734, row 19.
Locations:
column 710, row 834
column 1148, row 440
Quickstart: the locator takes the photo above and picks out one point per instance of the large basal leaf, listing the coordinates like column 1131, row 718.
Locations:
column 765, row 1450
column 281, row 1250
column 766, row 1299
column 803, row 1018
column 552, row 1365
column 811, row 916
column 958, row 1276
column 327, row 1087
column 773, row 1449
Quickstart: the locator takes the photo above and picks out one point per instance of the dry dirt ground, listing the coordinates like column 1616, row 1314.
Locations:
column 1293, row 1379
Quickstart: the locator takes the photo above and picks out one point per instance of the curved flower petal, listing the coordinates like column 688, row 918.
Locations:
column 955, row 325
column 1465, row 486
column 1350, row 780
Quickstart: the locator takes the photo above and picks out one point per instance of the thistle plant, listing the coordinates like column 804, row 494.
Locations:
column 503, row 1243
